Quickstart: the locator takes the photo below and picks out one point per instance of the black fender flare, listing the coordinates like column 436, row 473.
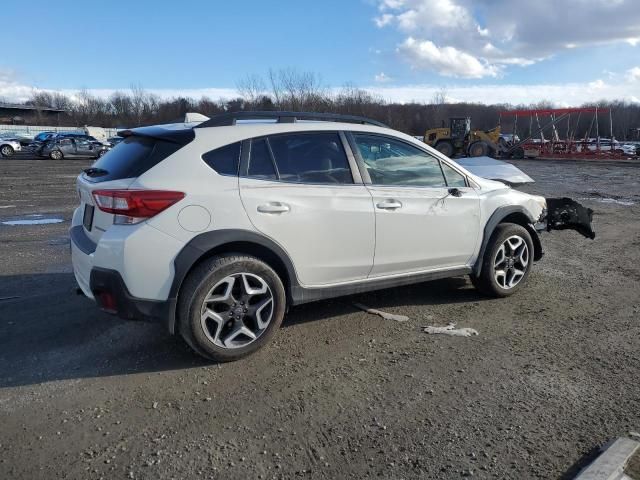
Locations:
column 200, row 245
column 494, row 220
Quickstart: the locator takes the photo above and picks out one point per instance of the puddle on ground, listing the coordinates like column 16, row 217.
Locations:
column 35, row 221
column 626, row 203
column 615, row 199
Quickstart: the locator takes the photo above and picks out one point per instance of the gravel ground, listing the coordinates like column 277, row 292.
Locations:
column 340, row 393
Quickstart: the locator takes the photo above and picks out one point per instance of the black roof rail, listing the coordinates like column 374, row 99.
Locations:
column 227, row 119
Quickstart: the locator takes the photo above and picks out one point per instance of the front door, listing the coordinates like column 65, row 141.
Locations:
column 427, row 218
column 298, row 189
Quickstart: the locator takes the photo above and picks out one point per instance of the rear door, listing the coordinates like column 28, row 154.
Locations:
column 299, row 189
column 84, row 148
column 427, row 218
column 67, row 146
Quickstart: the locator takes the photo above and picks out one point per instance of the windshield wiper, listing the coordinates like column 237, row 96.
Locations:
column 95, row 172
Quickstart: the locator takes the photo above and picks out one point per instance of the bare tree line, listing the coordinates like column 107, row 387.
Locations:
column 289, row 89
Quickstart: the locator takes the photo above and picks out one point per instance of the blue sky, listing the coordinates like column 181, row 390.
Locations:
column 402, row 49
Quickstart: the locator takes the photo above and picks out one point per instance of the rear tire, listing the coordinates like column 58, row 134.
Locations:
column 230, row 306
column 7, row 150
column 445, row 147
column 507, row 261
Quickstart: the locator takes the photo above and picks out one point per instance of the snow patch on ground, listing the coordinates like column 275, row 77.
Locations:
column 451, row 330
column 38, row 221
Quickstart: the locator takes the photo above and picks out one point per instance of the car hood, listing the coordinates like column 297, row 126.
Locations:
column 492, row 169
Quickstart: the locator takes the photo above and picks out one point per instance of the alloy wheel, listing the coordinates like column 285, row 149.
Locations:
column 237, row 310
column 510, row 262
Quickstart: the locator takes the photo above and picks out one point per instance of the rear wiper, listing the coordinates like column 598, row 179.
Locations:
column 95, row 172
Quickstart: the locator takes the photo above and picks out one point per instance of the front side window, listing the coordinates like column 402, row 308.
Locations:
column 224, row 160
column 393, row 162
column 311, row 158
column 454, row 179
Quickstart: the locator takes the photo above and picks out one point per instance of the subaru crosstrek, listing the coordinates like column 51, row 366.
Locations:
column 216, row 229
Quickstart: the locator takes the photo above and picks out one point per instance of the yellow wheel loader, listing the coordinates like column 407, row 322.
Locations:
column 460, row 140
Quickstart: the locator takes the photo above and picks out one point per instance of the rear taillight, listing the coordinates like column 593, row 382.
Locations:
column 134, row 206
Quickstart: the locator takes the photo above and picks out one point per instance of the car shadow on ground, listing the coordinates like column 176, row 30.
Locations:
column 436, row 292
column 48, row 332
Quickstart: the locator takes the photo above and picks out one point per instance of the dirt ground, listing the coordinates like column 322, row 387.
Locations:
column 340, row 393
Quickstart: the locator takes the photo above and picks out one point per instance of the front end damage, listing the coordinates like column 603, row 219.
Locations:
column 567, row 214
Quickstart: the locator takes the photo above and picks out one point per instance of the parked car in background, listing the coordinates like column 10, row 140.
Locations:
column 38, row 141
column 605, row 145
column 9, row 147
column 113, row 141
column 72, row 146
column 37, row 147
column 19, row 137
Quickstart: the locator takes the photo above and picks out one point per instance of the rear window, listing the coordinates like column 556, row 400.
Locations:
column 131, row 158
column 224, row 160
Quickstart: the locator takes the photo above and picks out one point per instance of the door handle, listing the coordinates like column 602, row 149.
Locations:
column 389, row 204
column 274, row 207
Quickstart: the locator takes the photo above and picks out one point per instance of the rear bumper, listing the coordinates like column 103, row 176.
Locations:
column 108, row 286
column 111, row 295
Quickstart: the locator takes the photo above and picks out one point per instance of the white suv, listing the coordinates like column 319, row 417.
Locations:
column 217, row 229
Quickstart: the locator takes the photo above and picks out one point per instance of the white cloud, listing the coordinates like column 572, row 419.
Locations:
column 382, row 78
column 565, row 95
column 383, row 20
column 521, row 33
column 412, row 15
column 633, row 74
column 17, row 92
column 11, row 89
column 449, row 61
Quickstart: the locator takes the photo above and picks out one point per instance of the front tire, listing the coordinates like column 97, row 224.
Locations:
column 507, row 261
column 7, row 150
column 56, row 155
column 478, row 149
column 230, row 306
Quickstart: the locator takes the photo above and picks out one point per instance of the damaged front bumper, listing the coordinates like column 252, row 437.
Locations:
column 566, row 214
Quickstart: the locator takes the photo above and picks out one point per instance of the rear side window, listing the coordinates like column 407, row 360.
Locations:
column 224, row 160
column 311, row 158
column 131, row 158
